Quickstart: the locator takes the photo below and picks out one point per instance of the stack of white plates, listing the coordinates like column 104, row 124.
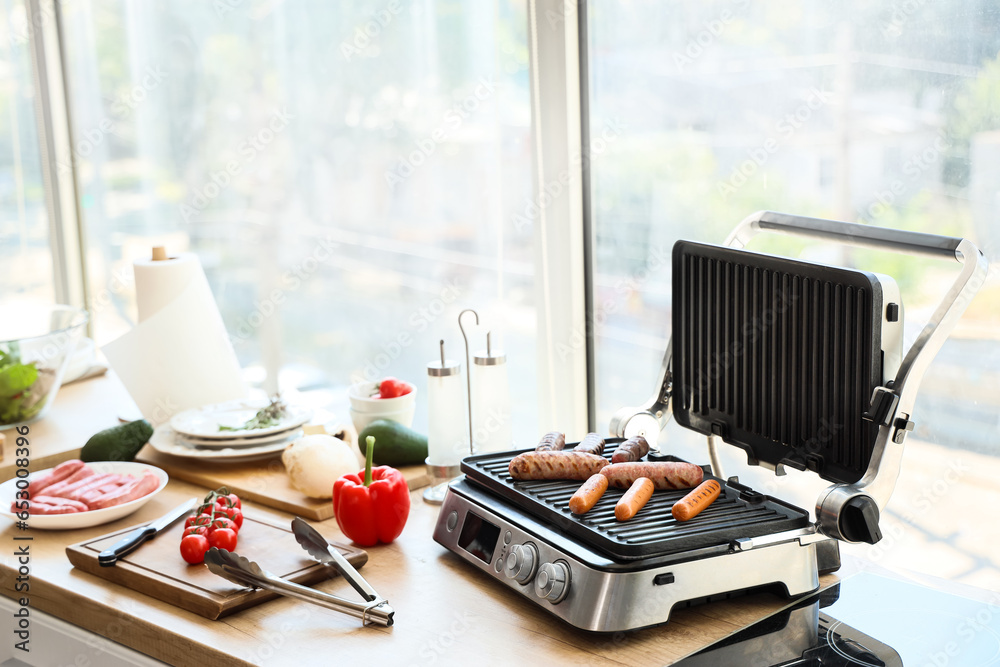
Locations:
column 195, row 433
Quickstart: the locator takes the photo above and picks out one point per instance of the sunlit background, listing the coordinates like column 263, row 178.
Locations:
column 376, row 181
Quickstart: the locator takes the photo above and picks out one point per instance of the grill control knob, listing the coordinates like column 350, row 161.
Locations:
column 521, row 562
column 552, row 582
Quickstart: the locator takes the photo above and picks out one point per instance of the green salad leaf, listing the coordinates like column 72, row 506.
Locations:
column 22, row 396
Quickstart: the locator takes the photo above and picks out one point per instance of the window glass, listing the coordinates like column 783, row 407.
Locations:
column 25, row 257
column 881, row 113
column 345, row 172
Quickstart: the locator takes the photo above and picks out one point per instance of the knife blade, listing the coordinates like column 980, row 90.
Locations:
column 318, row 547
column 130, row 542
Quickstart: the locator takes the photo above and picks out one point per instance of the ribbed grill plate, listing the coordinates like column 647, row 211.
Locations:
column 652, row 532
column 777, row 356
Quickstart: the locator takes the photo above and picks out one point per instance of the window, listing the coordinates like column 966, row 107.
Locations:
column 344, row 171
column 24, row 227
column 728, row 108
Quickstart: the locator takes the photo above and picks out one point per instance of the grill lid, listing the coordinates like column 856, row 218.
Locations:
column 777, row 356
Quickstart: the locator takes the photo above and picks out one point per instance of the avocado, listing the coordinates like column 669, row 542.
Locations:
column 395, row 444
column 118, row 443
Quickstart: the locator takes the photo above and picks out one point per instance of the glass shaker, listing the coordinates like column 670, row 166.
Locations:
column 491, row 430
column 447, row 427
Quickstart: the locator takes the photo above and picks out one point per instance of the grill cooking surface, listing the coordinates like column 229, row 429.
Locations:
column 653, row 531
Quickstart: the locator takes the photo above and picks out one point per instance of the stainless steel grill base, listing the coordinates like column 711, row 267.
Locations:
column 603, row 595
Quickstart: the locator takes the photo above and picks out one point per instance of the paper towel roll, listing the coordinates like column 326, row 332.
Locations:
column 158, row 283
column 179, row 356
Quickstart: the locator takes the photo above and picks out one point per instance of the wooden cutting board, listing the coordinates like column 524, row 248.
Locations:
column 262, row 482
column 156, row 567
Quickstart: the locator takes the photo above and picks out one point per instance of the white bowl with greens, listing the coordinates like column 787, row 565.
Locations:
column 36, row 343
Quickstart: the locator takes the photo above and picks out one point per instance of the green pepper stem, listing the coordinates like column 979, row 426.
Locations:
column 370, row 441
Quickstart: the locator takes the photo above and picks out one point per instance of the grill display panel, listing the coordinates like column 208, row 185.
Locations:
column 737, row 513
column 777, row 356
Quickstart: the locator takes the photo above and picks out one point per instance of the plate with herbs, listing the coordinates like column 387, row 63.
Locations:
column 242, row 418
column 166, row 441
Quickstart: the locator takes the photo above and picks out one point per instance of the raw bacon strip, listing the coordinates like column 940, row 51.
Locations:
column 129, row 492
column 58, row 487
column 57, row 474
column 88, row 484
column 60, row 502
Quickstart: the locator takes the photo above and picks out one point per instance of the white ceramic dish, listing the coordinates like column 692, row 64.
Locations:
column 204, row 422
column 238, row 443
column 165, row 440
column 363, row 419
column 93, row 517
column 360, row 394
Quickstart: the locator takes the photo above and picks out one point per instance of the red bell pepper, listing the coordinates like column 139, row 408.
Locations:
column 371, row 506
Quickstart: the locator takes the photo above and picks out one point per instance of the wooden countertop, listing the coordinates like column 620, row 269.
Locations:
column 446, row 611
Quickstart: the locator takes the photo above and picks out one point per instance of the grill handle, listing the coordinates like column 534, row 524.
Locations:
column 876, row 486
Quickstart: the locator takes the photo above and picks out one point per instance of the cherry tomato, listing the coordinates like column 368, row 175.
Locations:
column 196, row 530
column 231, row 500
column 223, row 523
column 193, row 548
column 390, row 387
column 223, row 538
column 197, row 520
column 233, row 513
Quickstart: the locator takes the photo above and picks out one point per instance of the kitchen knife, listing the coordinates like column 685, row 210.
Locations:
column 130, row 542
column 317, row 546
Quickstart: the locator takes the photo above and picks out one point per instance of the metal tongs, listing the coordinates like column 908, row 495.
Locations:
column 243, row 572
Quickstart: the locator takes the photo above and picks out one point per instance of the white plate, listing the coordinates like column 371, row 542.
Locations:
column 84, row 519
column 237, row 443
column 204, row 422
column 166, row 441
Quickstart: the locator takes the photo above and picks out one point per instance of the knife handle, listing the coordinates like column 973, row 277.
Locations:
column 126, row 545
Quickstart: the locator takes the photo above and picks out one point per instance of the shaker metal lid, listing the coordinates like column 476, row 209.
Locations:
column 443, row 369
column 489, row 358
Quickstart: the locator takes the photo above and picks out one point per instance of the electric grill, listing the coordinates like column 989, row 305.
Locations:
column 798, row 364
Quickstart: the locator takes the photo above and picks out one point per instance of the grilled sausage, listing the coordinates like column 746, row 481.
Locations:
column 665, row 475
column 552, row 441
column 57, row 474
column 588, row 494
column 631, row 450
column 555, row 465
column 127, row 493
column 592, row 443
column 693, row 503
column 634, row 499
column 59, row 487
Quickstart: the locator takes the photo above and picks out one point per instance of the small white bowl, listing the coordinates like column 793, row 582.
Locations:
column 362, row 401
column 363, row 419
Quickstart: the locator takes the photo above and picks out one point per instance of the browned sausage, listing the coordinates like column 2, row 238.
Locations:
column 588, row 494
column 631, row 450
column 552, row 441
column 665, row 475
column 634, row 499
column 57, row 474
column 555, row 465
column 592, row 443
column 693, row 503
